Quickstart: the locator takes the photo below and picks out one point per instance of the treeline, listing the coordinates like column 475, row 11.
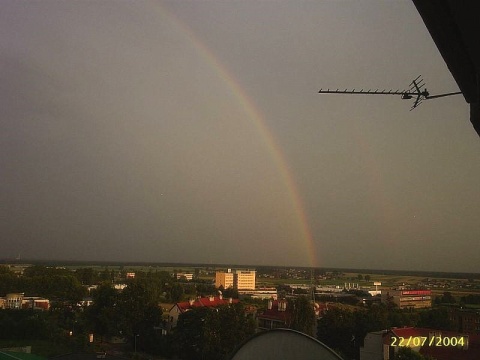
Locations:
column 448, row 298
column 133, row 313
column 54, row 284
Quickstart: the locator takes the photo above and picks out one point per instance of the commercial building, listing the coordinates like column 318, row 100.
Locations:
column 408, row 299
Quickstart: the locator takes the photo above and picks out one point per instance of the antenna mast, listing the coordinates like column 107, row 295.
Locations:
column 416, row 90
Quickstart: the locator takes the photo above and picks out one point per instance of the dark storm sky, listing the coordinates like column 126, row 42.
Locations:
column 132, row 131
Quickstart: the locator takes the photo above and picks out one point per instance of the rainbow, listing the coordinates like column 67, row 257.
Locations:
column 257, row 119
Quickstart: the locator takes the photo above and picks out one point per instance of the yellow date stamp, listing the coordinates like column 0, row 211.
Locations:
column 437, row 341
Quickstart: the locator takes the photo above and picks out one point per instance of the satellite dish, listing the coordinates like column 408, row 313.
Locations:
column 283, row 344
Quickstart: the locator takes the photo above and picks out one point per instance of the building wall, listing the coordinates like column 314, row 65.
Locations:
column 372, row 346
column 187, row 276
column 14, row 300
column 244, row 279
column 224, row 279
column 416, row 299
column 173, row 315
column 466, row 320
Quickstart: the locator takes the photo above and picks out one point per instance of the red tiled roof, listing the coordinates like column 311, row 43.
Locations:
column 275, row 314
column 200, row 302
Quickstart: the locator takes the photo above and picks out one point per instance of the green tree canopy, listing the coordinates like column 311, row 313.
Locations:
column 405, row 353
column 303, row 315
column 102, row 315
column 212, row 333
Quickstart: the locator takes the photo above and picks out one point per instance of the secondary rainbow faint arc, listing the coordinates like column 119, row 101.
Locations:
column 256, row 117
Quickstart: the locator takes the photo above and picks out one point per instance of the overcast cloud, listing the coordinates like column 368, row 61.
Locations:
column 127, row 134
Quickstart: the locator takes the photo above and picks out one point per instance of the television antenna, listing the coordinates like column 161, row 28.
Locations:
column 416, row 91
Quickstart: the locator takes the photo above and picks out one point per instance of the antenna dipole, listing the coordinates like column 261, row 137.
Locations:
column 416, row 90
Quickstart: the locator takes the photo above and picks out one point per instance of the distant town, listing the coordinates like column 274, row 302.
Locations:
column 195, row 311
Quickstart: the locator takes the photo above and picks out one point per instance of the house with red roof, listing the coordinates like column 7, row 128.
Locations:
column 437, row 344
column 277, row 315
column 181, row 307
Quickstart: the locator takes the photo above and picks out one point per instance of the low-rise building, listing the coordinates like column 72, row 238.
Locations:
column 277, row 315
column 260, row 293
column 14, row 300
column 182, row 275
column 20, row 301
column 35, row 303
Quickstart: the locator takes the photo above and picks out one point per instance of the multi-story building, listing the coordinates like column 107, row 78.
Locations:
column 224, row 279
column 244, row 279
column 238, row 279
column 408, row 299
column 465, row 320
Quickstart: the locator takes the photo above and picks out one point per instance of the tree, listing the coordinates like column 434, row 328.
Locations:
column 448, row 298
column 136, row 304
column 212, row 333
column 102, row 313
column 336, row 329
column 190, row 334
column 405, row 353
column 87, row 276
column 176, row 292
column 5, row 270
column 303, row 316
column 436, row 318
column 231, row 293
column 367, row 277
